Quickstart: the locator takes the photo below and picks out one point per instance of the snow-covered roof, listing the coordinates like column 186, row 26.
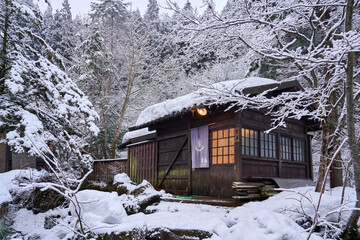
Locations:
column 136, row 134
column 202, row 97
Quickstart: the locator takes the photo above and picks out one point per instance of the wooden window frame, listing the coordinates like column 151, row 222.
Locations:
column 288, row 148
column 298, row 149
column 225, row 149
column 297, row 152
column 297, row 155
column 256, row 149
column 273, row 150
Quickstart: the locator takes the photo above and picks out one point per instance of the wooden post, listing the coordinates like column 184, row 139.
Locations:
column 238, row 153
column 189, row 180
column 156, row 160
column 309, row 157
column 278, row 148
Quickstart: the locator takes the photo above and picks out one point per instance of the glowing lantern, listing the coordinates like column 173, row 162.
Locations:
column 201, row 111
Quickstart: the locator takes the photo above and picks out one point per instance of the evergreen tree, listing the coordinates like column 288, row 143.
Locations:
column 39, row 104
column 59, row 32
column 151, row 16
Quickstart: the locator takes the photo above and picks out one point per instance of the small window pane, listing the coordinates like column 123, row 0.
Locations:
column 215, row 135
column 232, row 150
column 226, row 159
column 220, row 134
column 232, row 132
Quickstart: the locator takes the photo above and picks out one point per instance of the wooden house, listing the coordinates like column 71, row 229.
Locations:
column 233, row 144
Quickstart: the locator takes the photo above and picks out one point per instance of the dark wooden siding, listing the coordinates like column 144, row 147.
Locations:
column 215, row 181
column 173, row 155
column 256, row 167
column 172, row 168
column 142, row 162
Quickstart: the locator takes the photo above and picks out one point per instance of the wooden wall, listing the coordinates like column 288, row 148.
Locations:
column 254, row 167
column 166, row 162
column 5, row 155
column 217, row 180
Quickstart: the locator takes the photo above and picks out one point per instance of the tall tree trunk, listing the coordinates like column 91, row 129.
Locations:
column 3, row 52
column 324, row 155
column 330, row 143
column 351, row 231
column 336, row 175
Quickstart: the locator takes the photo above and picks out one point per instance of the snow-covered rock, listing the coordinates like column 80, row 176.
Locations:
column 100, row 209
column 139, row 196
column 124, row 180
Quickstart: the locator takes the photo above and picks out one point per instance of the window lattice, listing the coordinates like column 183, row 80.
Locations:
column 249, row 140
column 286, row 150
column 267, row 145
column 223, row 146
column 299, row 149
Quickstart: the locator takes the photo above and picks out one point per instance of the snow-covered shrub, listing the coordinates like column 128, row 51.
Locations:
column 138, row 196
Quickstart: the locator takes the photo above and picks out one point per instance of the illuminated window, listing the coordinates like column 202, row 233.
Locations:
column 249, row 140
column 267, row 145
column 223, row 146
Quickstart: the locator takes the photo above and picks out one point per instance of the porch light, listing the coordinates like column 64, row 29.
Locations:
column 201, row 111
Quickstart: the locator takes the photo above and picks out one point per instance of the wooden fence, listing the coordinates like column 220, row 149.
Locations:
column 107, row 169
column 142, row 163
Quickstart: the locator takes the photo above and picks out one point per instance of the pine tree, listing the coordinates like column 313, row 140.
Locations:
column 151, row 16
column 39, row 104
column 59, row 32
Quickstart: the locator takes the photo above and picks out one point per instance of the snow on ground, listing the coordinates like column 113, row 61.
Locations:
column 10, row 179
column 104, row 212
column 33, row 225
column 4, row 194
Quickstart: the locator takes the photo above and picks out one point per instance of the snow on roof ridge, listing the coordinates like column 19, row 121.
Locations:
column 196, row 98
column 136, row 133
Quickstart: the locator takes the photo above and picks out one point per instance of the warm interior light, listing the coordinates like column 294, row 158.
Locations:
column 202, row 111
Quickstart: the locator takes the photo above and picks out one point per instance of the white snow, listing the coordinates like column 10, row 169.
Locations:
column 136, row 133
column 125, row 180
column 4, row 194
column 104, row 212
column 100, row 209
column 198, row 98
column 9, row 179
column 30, row 224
